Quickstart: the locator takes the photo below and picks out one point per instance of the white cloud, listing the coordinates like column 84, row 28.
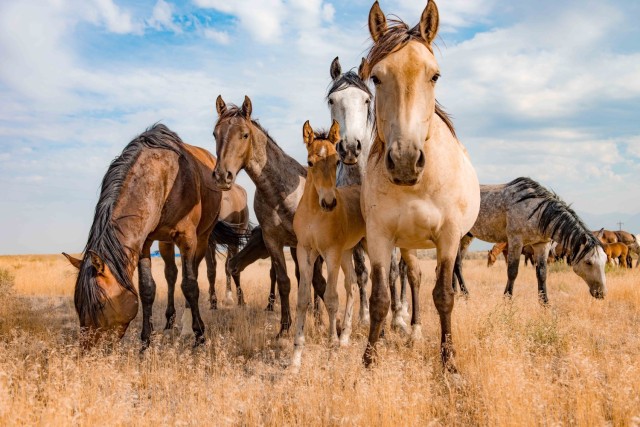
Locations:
column 115, row 19
column 162, row 17
column 221, row 37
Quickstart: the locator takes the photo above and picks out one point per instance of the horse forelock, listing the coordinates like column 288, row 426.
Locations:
column 556, row 218
column 103, row 235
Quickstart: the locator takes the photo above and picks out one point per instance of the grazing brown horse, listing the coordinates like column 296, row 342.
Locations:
column 241, row 143
column 608, row 236
column 503, row 247
column 420, row 188
column 159, row 188
column 617, row 251
column 328, row 223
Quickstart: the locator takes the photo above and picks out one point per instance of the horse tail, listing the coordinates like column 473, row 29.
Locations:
column 228, row 235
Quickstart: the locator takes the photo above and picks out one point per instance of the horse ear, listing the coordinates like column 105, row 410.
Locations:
column 335, row 69
column 74, row 261
column 361, row 68
column 246, row 107
column 221, row 107
column 429, row 22
column 377, row 22
column 97, row 262
column 307, row 133
column 334, row 132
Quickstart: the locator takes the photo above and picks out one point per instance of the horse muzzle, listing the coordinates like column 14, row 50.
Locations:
column 349, row 152
column 404, row 167
column 223, row 179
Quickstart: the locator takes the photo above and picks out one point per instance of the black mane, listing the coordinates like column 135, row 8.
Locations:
column 103, row 236
column 556, row 218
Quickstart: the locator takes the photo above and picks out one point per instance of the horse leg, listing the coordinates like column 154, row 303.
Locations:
column 414, row 274
column 362, row 276
column 171, row 275
column 306, row 259
column 402, row 273
column 380, row 252
column 319, row 287
column 515, row 249
column 443, row 296
column 231, row 252
column 331, row 300
column 192, row 251
column 541, row 252
column 147, row 287
column 397, row 320
column 457, row 273
column 272, row 288
column 349, row 278
column 284, row 284
column 210, row 259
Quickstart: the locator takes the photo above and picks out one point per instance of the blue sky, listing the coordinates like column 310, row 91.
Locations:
column 546, row 89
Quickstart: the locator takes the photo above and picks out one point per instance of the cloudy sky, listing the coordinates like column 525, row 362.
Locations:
column 541, row 88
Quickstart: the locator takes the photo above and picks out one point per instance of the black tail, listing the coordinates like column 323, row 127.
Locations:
column 229, row 235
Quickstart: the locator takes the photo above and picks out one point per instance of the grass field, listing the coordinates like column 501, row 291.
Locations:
column 575, row 362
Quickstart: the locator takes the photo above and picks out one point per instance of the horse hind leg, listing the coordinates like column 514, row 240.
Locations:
column 232, row 251
column 349, row 278
column 403, row 272
column 168, row 255
column 147, row 288
column 192, row 252
column 397, row 320
column 210, row 259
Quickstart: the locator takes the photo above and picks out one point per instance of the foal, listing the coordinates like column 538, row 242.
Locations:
column 327, row 223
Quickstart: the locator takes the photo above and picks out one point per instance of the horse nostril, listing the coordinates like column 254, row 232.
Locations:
column 358, row 146
column 421, row 161
column 389, row 161
column 229, row 176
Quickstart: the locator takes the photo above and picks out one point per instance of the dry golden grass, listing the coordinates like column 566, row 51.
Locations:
column 576, row 362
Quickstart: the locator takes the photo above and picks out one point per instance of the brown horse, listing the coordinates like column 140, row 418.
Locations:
column 159, row 188
column 421, row 190
column 617, row 251
column 241, row 143
column 503, row 247
column 328, row 223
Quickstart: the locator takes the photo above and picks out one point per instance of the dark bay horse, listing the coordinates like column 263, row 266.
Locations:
column 241, row 143
column 159, row 188
column 523, row 212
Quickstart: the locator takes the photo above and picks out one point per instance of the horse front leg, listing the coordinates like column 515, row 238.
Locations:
column 443, row 296
column 284, row 284
column 380, row 251
column 457, row 273
column 541, row 252
column 515, row 249
column 362, row 276
column 231, row 252
column 414, row 274
column 168, row 255
column 306, row 259
column 192, row 251
column 147, row 287
column 397, row 321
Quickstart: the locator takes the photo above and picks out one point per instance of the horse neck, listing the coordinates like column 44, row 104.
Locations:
column 271, row 169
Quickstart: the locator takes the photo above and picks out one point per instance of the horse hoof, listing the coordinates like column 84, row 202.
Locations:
column 416, row 334
column 399, row 324
column 269, row 307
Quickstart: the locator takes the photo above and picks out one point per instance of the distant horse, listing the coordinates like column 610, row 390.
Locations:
column 159, row 188
column 233, row 210
column 608, row 236
column 328, row 222
column 523, row 212
column 241, row 143
column 503, row 248
column 562, row 252
column 617, row 251
column 350, row 103
column 421, row 190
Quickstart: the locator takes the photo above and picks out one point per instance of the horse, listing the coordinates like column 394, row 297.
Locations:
column 561, row 252
column 350, row 103
column 523, row 212
column 159, row 188
column 606, row 236
column 497, row 249
column 421, row 190
column 328, row 223
column 617, row 251
column 242, row 143
column 233, row 210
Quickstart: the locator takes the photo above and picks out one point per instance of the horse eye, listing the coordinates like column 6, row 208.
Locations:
column 245, row 136
column 310, row 164
column 367, row 101
column 589, row 262
column 376, row 80
column 331, row 102
column 435, row 77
